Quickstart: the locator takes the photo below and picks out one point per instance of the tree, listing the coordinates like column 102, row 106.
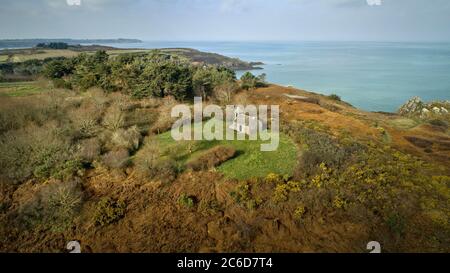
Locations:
column 165, row 79
column 261, row 80
column 53, row 45
column 58, row 68
column 93, row 71
column 224, row 92
column 248, row 81
column 202, row 83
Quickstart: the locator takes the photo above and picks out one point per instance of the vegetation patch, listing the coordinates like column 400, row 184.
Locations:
column 187, row 201
column 403, row 123
column 54, row 208
column 419, row 142
column 212, row 158
column 20, row 89
column 249, row 160
column 108, row 211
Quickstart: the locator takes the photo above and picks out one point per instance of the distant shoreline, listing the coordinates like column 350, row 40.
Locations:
column 25, row 43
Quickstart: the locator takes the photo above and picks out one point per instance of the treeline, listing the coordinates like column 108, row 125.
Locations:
column 55, row 45
column 147, row 75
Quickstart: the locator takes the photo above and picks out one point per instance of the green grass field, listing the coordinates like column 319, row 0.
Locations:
column 20, row 89
column 250, row 161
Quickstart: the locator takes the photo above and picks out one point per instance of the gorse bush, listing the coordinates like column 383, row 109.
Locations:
column 108, row 211
column 186, row 201
column 334, row 97
column 243, row 196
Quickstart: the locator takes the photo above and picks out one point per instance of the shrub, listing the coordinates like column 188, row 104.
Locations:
column 18, row 113
column 334, row 97
column 90, row 150
column 143, row 118
column 126, row 139
column 276, row 178
column 54, row 207
column 338, row 202
column 62, row 201
column 439, row 123
column 419, row 142
column 225, row 91
column 212, row 158
column 299, row 212
column 39, row 151
column 61, row 84
column 242, row 193
column 164, row 120
column 396, row 223
column 329, row 107
column 114, row 118
column 116, row 159
column 186, row 201
column 108, row 211
column 250, row 81
column 273, row 178
column 321, row 148
column 85, row 119
column 281, row 193
column 150, row 163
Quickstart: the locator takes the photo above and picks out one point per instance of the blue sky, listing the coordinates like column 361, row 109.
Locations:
column 348, row 20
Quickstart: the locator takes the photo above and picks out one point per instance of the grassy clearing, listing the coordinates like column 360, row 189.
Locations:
column 3, row 58
column 403, row 123
column 20, row 89
column 250, row 160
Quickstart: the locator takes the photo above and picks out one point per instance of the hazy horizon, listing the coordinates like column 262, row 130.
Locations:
column 229, row 20
column 232, row 41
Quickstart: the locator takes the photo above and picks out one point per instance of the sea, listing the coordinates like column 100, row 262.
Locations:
column 373, row 76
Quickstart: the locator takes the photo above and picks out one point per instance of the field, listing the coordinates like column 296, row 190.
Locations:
column 250, row 162
column 18, row 56
column 25, row 55
column 20, row 89
column 116, row 52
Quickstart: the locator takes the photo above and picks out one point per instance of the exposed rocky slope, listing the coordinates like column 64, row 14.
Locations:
column 415, row 107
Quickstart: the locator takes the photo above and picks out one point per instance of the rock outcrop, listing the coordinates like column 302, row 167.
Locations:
column 415, row 107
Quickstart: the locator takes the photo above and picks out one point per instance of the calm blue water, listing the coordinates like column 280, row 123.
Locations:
column 371, row 76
